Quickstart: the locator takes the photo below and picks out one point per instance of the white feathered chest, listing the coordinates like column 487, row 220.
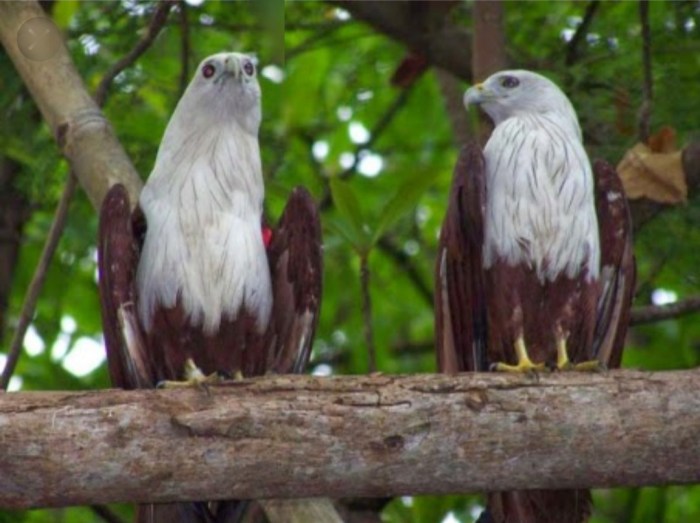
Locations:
column 540, row 207
column 203, row 207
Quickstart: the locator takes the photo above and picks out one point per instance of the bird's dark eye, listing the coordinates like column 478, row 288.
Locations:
column 509, row 82
column 248, row 68
column 208, row 71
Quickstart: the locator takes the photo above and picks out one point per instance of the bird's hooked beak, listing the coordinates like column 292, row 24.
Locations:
column 476, row 95
column 232, row 66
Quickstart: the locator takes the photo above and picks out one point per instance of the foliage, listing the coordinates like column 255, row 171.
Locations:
column 378, row 158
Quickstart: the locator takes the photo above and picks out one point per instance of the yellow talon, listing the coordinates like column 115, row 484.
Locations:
column 525, row 364
column 194, row 377
column 564, row 364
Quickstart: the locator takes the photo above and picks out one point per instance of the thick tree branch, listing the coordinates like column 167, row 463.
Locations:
column 83, row 134
column 448, row 48
column 298, row 436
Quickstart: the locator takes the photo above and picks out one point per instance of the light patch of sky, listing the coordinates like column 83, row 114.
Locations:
column 574, row 21
column 86, row 355
column 450, row 518
column 33, row 344
column 60, row 347
column 475, row 511
column 320, row 150
column 593, row 39
column 194, row 2
column 135, row 8
column 567, row 34
column 322, row 370
column 15, row 384
column 689, row 25
column 341, row 14
column 370, row 164
column 339, row 337
column 346, row 160
column 663, row 297
column 423, row 214
column 407, row 501
column 273, row 73
column 411, row 247
column 68, row 324
column 90, row 44
column 344, row 113
column 365, row 95
column 358, row 133
column 205, row 19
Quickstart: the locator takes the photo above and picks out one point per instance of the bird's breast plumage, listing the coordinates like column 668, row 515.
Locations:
column 204, row 244
column 540, row 207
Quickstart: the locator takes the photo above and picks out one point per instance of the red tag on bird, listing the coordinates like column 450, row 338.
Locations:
column 266, row 235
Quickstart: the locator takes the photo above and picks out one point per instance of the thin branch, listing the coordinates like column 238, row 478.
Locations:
column 184, row 47
column 572, row 48
column 654, row 313
column 29, row 305
column 647, row 85
column 404, row 262
column 158, row 20
column 367, row 313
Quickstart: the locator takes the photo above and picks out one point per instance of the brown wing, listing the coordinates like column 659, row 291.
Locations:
column 296, row 269
column 460, row 311
column 617, row 276
column 117, row 260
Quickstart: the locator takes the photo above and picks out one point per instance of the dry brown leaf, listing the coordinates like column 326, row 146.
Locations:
column 654, row 171
column 664, row 141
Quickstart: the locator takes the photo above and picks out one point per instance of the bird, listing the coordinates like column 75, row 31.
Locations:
column 193, row 283
column 535, row 266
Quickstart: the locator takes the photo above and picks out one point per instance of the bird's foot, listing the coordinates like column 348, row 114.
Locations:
column 582, row 366
column 564, row 364
column 524, row 366
column 194, row 378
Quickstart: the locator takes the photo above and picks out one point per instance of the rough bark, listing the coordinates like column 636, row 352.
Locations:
column 298, row 436
column 83, row 134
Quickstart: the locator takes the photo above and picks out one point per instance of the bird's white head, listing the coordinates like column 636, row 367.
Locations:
column 509, row 93
column 225, row 87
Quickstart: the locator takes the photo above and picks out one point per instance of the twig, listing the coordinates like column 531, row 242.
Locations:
column 37, row 283
column 409, row 269
column 184, row 48
column 381, row 124
column 573, row 45
column 367, row 313
column 654, row 313
column 157, row 22
column 647, row 86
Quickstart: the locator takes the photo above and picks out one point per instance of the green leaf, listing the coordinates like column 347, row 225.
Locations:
column 348, row 207
column 405, row 199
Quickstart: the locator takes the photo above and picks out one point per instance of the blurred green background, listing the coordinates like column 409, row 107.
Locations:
column 331, row 112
